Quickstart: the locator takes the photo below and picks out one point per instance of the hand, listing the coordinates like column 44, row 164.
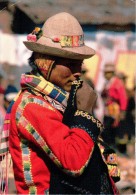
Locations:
column 86, row 98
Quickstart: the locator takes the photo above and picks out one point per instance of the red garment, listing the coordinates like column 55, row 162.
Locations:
column 114, row 91
column 37, row 138
column 2, row 90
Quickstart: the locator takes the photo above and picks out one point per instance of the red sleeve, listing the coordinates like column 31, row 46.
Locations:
column 122, row 95
column 41, row 124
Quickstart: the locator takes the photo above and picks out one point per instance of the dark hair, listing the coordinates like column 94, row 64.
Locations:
column 32, row 63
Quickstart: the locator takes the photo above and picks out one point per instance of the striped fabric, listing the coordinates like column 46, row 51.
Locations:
column 56, row 96
column 5, row 132
column 39, row 84
column 4, row 151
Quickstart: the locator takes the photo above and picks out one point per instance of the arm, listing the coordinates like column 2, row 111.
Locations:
column 79, row 109
column 41, row 124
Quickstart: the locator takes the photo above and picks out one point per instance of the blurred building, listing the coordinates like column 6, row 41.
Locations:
column 109, row 27
column 21, row 16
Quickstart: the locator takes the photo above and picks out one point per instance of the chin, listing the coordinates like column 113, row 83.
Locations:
column 67, row 88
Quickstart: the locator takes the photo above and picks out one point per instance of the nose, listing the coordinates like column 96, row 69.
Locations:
column 77, row 75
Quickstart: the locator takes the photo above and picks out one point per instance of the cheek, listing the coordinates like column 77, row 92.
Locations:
column 66, row 73
column 60, row 76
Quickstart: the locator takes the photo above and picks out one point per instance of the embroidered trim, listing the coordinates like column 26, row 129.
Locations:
column 77, row 83
column 111, row 161
column 25, row 101
column 68, row 40
column 86, row 129
column 64, row 40
column 27, row 125
column 38, row 83
column 112, row 158
column 89, row 117
column 27, row 167
column 113, row 171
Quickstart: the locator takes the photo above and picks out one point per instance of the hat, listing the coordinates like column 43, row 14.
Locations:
column 62, row 36
column 109, row 67
column 10, row 93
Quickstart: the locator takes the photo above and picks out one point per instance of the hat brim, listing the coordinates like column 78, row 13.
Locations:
column 55, row 49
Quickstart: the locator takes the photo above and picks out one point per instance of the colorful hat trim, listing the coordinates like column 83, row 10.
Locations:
column 70, row 41
column 35, row 35
column 64, row 40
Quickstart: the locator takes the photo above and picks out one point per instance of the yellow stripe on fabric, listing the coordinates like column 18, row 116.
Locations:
column 6, row 121
column 27, row 167
column 31, row 130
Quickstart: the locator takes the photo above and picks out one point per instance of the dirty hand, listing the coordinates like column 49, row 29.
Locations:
column 86, row 98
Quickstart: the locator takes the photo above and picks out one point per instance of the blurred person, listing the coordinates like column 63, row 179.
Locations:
column 8, row 95
column 115, row 104
column 129, row 121
column 2, row 110
column 1, row 87
column 128, row 124
column 53, row 136
column 123, row 77
column 130, row 114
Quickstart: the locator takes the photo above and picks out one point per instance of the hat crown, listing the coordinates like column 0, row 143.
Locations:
column 60, row 36
column 62, row 24
column 109, row 67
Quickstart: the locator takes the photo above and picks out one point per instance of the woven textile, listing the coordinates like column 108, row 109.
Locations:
column 39, row 84
column 56, row 96
column 4, row 152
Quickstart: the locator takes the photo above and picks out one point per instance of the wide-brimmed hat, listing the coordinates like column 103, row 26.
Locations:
column 62, row 36
column 109, row 67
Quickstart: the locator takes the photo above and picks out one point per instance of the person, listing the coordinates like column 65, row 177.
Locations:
column 53, row 134
column 115, row 103
column 9, row 94
column 128, row 124
column 1, row 87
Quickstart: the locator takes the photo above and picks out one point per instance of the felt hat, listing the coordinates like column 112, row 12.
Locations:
column 62, row 36
column 109, row 67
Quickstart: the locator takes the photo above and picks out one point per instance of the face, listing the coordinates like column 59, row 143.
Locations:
column 65, row 72
column 108, row 75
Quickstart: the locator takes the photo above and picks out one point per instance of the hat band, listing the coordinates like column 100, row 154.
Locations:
column 69, row 41
column 64, row 40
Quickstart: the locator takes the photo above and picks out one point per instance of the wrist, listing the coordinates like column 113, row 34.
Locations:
column 88, row 123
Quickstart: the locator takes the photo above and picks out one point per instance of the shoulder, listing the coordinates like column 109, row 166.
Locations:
column 29, row 101
column 118, row 82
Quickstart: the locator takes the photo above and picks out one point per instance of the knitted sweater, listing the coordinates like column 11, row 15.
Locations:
column 39, row 140
column 37, row 135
